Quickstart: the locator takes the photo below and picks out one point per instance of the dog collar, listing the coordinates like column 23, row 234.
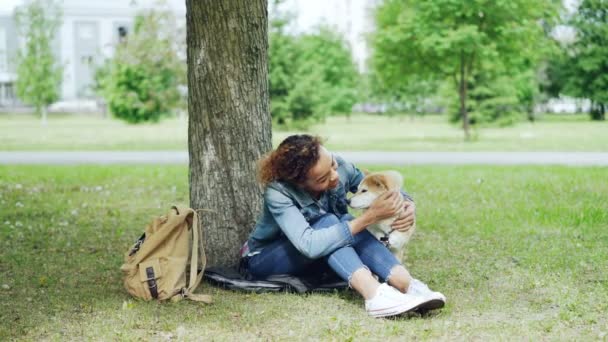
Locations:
column 385, row 239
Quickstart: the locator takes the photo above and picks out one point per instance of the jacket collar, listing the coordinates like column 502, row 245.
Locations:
column 301, row 196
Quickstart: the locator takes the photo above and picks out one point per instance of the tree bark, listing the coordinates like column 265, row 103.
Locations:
column 43, row 113
column 229, row 126
column 462, row 92
column 597, row 111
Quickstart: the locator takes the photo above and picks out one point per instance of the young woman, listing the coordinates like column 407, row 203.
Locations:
column 305, row 224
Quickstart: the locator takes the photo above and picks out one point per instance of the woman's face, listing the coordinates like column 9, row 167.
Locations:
column 323, row 175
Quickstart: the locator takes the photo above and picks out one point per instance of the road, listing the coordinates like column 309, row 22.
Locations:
column 382, row 158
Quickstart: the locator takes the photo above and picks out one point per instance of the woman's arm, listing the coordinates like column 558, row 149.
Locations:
column 385, row 206
column 313, row 243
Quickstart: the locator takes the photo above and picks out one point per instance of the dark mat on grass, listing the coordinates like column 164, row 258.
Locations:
column 230, row 278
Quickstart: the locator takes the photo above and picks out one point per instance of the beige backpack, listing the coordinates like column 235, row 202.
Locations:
column 156, row 266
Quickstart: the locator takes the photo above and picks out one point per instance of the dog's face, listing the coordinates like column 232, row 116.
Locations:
column 374, row 185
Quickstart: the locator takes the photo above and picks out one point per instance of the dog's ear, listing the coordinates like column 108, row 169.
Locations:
column 378, row 181
column 365, row 172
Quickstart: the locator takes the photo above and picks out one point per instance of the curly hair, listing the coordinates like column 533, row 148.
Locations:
column 291, row 160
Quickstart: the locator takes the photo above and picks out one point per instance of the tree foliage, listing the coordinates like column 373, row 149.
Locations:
column 311, row 75
column 584, row 67
column 141, row 81
column 474, row 44
column 39, row 74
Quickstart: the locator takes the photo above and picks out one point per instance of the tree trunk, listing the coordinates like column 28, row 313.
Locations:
column 462, row 93
column 597, row 111
column 229, row 125
column 43, row 111
column 531, row 115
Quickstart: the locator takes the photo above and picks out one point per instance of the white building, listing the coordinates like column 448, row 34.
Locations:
column 89, row 32
column 8, row 46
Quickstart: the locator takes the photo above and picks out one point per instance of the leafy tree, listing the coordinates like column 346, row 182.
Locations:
column 38, row 72
column 311, row 75
column 141, row 81
column 587, row 66
column 492, row 99
column 326, row 61
column 282, row 55
column 459, row 40
column 414, row 95
column 556, row 73
column 527, row 90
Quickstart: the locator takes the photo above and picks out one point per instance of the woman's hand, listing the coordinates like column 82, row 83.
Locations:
column 387, row 205
column 407, row 218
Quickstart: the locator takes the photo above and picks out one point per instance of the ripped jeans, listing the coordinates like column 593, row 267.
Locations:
column 281, row 257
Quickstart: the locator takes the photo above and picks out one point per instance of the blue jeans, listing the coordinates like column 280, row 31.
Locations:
column 281, row 257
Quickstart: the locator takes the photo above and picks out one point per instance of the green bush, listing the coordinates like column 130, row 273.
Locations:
column 140, row 83
column 311, row 76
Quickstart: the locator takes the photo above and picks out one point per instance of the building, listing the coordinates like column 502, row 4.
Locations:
column 88, row 35
column 8, row 46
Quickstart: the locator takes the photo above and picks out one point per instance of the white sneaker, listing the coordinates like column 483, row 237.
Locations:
column 390, row 302
column 435, row 300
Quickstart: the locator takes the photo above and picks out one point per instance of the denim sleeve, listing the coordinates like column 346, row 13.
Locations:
column 313, row 243
column 354, row 175
column 406, row 196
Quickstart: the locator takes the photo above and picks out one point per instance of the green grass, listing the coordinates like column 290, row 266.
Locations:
column 360, row 133
column 520, row 253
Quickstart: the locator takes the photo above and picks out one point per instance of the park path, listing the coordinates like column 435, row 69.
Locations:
column 373, row 157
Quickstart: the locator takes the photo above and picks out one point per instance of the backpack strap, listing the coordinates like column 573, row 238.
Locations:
column 197, row 247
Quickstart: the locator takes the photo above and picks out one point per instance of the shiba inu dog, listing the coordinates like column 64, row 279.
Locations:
column 370, row 188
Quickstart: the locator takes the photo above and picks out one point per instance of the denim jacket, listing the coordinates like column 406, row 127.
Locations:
column 289, row 210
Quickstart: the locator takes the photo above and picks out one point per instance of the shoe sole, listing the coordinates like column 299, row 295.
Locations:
column 398, row 310
column 432, row 304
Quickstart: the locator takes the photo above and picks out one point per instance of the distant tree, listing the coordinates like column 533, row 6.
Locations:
column 414, row 95
column 282, row 58
column 587, row 66
column 326, row 54
column 141, row 81
column 556, row 73
column 527, row 90
column 39, row 74
column 311, row 75
column 491, row 99
column 458, row 39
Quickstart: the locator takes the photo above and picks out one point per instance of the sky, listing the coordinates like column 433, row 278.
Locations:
column 8, row 5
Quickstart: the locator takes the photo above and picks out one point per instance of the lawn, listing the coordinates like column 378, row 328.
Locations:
column 359, row 133
column 520, row 253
